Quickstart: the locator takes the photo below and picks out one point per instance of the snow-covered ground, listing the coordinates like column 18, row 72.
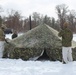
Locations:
column 20, row 67
column 74, row 37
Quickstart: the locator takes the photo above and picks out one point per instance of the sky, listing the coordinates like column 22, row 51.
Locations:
column 27, row 7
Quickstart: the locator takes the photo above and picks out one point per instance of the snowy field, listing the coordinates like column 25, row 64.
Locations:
column 20, row 67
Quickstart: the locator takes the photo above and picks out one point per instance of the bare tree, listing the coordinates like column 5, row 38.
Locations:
column 1, row 20
column 71, row 19
column 36, row 18
column 14, row 20
column 47, row 20
column 62, row 11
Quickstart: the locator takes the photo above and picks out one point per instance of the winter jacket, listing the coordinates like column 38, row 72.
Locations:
column 2, row 36
column 67, row 36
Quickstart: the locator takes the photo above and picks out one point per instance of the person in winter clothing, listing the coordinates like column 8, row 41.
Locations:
column 67, row 36
column 2, row 41
column 14, row 35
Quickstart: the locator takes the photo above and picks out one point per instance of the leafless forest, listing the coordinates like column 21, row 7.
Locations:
column 15, row 21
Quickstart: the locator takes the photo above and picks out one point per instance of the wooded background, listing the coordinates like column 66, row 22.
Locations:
column 15, row 21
